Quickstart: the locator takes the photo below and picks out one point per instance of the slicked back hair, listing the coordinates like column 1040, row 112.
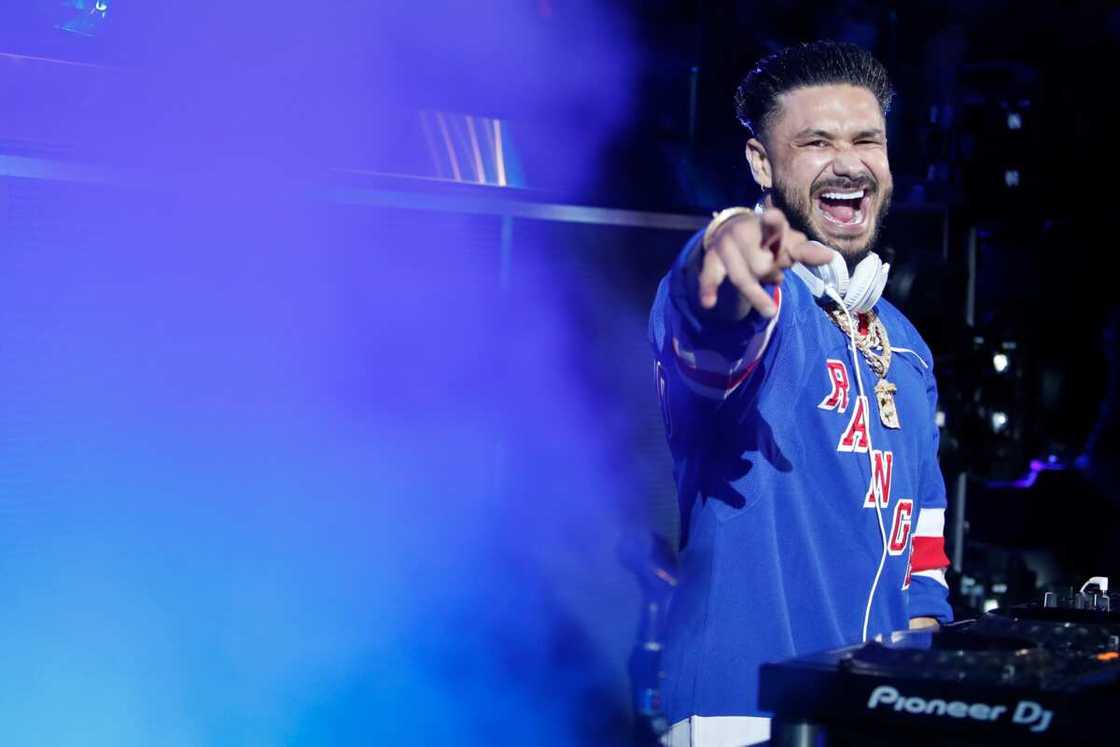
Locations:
column 816, row 63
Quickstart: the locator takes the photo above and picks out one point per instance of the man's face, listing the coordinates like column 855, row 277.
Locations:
column 827, row 148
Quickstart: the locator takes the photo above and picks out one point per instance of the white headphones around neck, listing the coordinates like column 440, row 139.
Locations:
column 858, row 292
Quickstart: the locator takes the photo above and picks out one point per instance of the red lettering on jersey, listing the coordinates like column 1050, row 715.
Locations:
column 908, row 574
column 880, row 486
column 900, row 526
column 855, row 436
column 837, row 399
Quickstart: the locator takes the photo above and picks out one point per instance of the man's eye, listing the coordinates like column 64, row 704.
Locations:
column 817, row 143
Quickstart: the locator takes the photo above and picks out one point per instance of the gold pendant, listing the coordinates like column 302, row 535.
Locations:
column 888, row 413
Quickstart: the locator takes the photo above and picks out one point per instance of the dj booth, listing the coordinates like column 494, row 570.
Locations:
column 1037, row 674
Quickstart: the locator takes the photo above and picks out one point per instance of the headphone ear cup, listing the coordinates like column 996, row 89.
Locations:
column 838, row 269
column 867, row 284
column 860, row 291
column 811, row 279
column 880, row 284
column 835, row 273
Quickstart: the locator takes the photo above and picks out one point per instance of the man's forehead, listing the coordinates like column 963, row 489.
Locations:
column 835, row 108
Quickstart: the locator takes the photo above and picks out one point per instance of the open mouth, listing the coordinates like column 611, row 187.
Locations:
column 847, row 209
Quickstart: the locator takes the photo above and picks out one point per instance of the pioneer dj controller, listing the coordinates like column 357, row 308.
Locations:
column 1022, row 675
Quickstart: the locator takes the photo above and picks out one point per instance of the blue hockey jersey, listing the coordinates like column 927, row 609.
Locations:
column 783, row 472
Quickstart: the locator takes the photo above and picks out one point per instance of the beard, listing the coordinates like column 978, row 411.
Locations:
column 798, row 211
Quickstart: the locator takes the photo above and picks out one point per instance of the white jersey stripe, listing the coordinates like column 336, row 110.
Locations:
column 931, row 523
column 708, row 361
column 711, row 374
column 937, row 574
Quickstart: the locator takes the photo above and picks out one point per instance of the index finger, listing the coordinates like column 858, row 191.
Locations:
column 811, row 253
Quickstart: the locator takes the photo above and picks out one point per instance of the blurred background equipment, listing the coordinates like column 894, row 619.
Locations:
column 651, row 559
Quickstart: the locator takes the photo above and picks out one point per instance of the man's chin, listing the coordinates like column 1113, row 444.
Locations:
column 854, row 248
column 853, row 243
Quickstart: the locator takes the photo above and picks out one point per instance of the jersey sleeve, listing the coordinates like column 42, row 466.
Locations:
column 929, row 590
column 711, row 358
column 700, row 367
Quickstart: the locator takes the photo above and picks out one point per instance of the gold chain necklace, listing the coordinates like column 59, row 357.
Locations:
column 880, row 363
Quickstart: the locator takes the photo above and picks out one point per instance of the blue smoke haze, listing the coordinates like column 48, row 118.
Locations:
column 278, row 471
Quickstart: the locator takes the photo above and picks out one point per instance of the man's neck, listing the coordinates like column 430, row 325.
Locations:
column 853, row 260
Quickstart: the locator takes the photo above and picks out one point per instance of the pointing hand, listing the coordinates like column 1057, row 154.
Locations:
column 749, row 250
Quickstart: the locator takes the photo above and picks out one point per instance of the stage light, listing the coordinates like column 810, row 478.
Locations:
column 1014, row 121
column 939, row 419
column 470, row 148
column 84, row 17
column 1011, row 178
column 998, row 421
column 1000, row 362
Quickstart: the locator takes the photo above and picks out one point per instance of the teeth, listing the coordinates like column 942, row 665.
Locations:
column 857, row 195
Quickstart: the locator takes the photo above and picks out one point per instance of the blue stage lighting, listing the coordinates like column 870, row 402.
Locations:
column 84, row 17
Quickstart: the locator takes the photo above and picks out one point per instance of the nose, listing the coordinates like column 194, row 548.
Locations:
column 847, row 163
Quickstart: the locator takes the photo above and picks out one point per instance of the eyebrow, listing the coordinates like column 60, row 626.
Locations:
column 809, row 133
column 874, row 132
column 825, row 134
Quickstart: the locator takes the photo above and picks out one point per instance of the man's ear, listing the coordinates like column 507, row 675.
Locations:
column 760, row 163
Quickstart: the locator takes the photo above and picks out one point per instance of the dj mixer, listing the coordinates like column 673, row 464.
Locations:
column 1036, row 674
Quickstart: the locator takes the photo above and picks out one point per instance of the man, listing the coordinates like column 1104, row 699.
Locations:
column 800, row 412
